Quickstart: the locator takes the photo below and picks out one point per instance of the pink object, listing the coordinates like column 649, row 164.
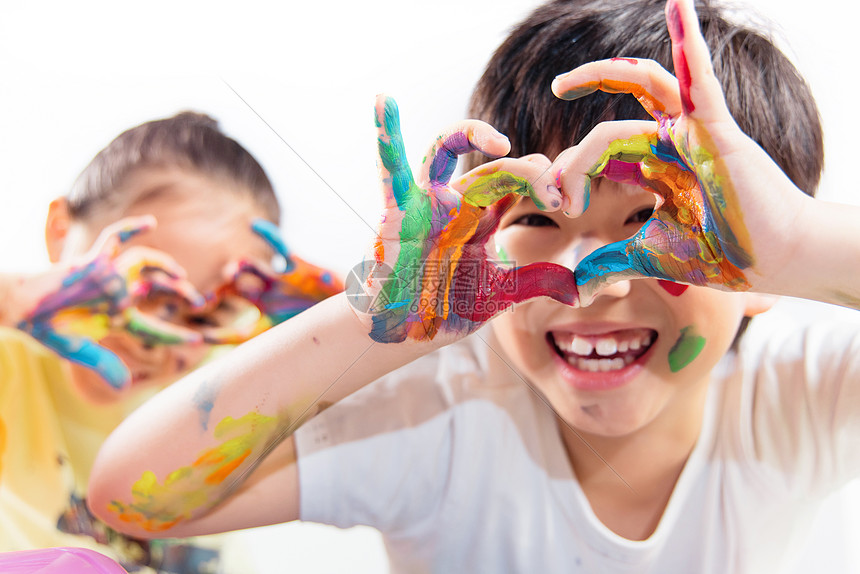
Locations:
column 58, row 561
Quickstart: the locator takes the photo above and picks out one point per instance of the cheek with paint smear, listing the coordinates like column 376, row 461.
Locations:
column 686, row 348
column 674, row 289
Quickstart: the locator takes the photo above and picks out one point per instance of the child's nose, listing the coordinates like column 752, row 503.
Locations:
column 584, row 247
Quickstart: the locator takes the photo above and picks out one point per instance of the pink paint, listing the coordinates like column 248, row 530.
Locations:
column 675, row 289
column 628, row 60
column 682, row 69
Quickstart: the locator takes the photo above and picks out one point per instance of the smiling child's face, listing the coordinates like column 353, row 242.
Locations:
column 642, row 352
column 203, row 226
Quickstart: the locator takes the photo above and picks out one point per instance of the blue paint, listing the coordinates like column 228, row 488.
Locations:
column 204, row 400
column 271, row 234
column 445, row 159
column 84, row 352
column 392, row 154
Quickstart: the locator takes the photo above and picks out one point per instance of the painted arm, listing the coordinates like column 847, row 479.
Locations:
column 70, row 307
column 727, row 216
column 215, row 452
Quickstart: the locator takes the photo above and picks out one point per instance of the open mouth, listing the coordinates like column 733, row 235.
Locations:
column 602, row 353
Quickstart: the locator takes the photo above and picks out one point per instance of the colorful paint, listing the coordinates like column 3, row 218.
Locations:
column 240, row 444
column 697, row 234
column 442, row 280
column 686, row 349
column 98, row 296
column 692, row 237
column 682, row 68
column 281, row 295
column 157, row 506
column 272, row 235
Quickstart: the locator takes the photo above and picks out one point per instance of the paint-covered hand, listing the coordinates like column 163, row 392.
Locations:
column 431, row 276
column 722, row 202
column 278, row 295
column 80, row 303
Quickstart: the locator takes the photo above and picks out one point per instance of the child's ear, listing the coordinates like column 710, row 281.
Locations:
column 57, row 228
column 758, row 303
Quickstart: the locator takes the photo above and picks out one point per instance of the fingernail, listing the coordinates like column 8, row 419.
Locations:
column 499, row 136
column 555, row 195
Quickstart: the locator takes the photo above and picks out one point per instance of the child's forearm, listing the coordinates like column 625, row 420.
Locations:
column 185, row 451
column 823, row 263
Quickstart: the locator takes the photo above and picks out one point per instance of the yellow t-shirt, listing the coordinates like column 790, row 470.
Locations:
column 49, row 437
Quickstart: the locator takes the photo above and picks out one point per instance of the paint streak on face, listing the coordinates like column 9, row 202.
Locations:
column 675, row 289
column 686, row 349
column 157, row 507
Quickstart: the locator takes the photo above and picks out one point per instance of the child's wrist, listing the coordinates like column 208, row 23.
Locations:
column 20, row 294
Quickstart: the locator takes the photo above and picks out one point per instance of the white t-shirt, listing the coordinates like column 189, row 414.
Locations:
column 462, row 468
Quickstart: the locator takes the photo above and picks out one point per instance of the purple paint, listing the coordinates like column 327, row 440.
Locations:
column 445, row 159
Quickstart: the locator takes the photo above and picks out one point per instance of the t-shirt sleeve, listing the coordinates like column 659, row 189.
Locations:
column 379, row 456
column 805, row 407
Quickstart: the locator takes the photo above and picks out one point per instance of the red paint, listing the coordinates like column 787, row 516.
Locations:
column 682, row 69
column 676, row 289
column 628, row 60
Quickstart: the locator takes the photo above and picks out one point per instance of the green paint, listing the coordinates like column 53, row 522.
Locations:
column 488, row 189
column 576, row 93
column 503, row 255
column 140, row 327
column 686, row 348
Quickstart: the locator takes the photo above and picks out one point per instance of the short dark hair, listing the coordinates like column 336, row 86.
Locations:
column 187, row 140
column 765, row 94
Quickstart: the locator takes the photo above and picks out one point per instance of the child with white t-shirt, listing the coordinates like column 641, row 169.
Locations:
column 609, row 421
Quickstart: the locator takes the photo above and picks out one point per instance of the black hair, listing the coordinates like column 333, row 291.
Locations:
column 189, row 140
column 765, row 94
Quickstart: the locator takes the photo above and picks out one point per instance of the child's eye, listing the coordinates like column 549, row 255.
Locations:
column 535, row 220
column 201, row 321
column 640, row 216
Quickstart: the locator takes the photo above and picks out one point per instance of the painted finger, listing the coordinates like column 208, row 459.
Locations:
column 250, row 277
column 271, row 234
column 85, row 352
column 153, row 330
column 135, row 260
column 574, row 169
column 513, row 286
column 153, row 282
column 113, row 235
column 700, row 91
column 395, row 175
column 650, row 83
column 467, row 136
column 602, row 267
column 146, row 269
column 529, row 176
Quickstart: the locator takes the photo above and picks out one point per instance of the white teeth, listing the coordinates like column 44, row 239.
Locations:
column 601, row 365
column 581, row 346
column 606, row 346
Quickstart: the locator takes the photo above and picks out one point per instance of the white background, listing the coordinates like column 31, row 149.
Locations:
column 294, row 83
